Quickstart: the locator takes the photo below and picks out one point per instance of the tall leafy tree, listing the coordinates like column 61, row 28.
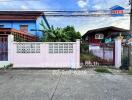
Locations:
column 67, row 34
column 71, row 33
column 48, row 34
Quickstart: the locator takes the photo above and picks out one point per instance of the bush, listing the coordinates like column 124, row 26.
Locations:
column 7, row 67
column 102, row 70
column 86, row 57
column 89, row 57
column 84, row 48
column 130, row 72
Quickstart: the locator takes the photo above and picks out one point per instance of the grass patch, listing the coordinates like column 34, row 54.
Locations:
column 88, row 57
column 102, row 70
column 130, row 72
column 6, row 67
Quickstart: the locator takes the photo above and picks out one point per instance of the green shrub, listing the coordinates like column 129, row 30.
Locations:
column 102, row 70
column 88, row 57
column 130, row 72
column 84, row 48
column 7, row 67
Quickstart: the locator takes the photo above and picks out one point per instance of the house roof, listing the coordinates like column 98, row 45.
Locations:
column 111, row 28
column 27, row 36
column 20, row 15
column 117, row 7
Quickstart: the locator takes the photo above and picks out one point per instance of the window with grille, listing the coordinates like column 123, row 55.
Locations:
column 99, row 36
column 24, row 28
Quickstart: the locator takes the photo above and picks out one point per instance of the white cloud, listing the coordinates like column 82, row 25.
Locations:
column 83, row 24
column 82, row 3
column 97, row 7
column 4, row 3
column 123, row 22
column 24, row 7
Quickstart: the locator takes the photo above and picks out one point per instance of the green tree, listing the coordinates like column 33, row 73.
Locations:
column 48, row 34
column 67, row 34
column 71, row 33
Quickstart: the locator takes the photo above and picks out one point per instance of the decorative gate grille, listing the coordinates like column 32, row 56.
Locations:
column 3, row 48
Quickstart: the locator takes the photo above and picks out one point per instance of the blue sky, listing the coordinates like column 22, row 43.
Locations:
column 81, row 24
column 59, row 4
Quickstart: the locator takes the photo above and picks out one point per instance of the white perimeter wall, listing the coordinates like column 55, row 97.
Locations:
column 43, row 54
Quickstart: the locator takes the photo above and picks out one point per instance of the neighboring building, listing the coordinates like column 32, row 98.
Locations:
column 103, row 35
column 22, row 24
column 101, row 42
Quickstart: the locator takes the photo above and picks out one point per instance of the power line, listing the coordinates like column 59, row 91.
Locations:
column 92, row 13
column 63, row 13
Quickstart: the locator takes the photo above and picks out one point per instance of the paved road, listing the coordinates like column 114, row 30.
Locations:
column 63, row 85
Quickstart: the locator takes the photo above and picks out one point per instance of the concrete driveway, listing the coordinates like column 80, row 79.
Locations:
column 63, row 85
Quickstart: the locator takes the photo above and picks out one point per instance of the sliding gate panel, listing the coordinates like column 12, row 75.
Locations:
column 4, row 48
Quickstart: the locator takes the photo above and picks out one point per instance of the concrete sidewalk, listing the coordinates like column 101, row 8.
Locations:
column 63, row 85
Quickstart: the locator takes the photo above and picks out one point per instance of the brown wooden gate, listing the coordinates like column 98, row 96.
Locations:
column 3, row 48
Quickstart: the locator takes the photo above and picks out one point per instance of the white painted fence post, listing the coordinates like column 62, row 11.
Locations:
column 78, row 53
column 10, row 41
column 117, row 52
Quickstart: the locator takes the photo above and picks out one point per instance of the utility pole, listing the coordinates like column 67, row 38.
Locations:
column 130, row 48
